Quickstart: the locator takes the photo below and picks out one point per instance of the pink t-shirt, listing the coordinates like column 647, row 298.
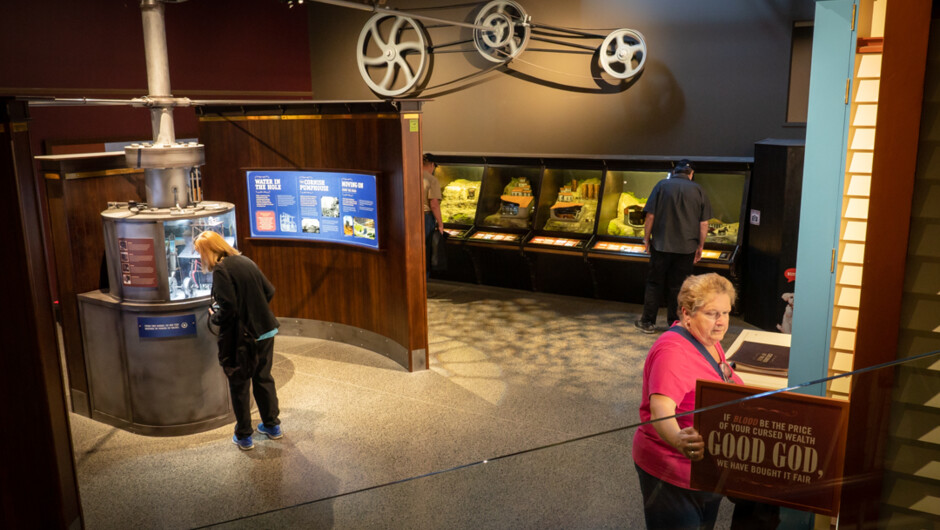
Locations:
column 672, row 367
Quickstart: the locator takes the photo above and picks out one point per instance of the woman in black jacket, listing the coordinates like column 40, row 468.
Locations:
column 247, row 327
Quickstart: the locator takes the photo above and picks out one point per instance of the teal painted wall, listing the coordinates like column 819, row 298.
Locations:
column 823, row 176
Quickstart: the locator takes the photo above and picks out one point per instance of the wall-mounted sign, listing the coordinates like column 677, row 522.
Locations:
column 338, row 207
column 785, row 449
column 165, row 327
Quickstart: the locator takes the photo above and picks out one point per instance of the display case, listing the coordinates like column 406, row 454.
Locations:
column 150, row 355
column 577, row 223
column 621, row 228
column 508, row 199
column 565, row 221
column 567, row 209
column 460, row 190
column 151, row 257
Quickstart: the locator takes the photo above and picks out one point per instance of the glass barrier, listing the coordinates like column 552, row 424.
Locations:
column 591, row 481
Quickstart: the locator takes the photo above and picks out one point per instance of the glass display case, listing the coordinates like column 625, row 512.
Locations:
column 509, row 196
column 151, row 256
column 569, row 200
column 575, row 225
column 460, row 188
column 185, row 277
column 726, row 194
column 625, row 195
column 622, row 218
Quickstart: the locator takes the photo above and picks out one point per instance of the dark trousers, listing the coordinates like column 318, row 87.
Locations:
column 668, row 507
column 430, row 225
column 666, row 273
column 261, row 384
column 753, row 515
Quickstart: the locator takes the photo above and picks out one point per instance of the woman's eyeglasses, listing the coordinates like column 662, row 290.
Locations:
column 715, row 315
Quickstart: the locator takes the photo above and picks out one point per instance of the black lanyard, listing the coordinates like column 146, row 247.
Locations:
column 698, row 345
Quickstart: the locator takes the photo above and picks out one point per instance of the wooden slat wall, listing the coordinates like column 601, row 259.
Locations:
column 912, row 460
column 380, row 291
column 893, row 162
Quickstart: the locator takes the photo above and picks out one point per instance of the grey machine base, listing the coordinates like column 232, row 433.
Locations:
column 156, row 386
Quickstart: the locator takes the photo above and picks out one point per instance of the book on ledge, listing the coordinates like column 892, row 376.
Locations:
column 771, row 359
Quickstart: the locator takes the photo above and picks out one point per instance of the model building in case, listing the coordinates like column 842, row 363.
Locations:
column 460, row 192
column 630, row 190
column 510, row 196
column 575, row 208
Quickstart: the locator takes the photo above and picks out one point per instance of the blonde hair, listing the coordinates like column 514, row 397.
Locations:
column 212, row 247
column 696, row 291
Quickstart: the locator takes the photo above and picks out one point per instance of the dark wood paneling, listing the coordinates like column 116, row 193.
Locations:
column 381, row 291
column 38, row 484
column 77, row 191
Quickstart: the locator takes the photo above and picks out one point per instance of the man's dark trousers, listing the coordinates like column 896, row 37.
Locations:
column 666, row 274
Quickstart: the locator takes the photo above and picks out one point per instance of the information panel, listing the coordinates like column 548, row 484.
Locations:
column 138, row 262
column 337, row 207
column 785, row 449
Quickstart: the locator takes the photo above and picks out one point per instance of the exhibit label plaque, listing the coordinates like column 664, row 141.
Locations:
column 138, row 262
column 785, row 449
column 166, row 327
column 338, row 207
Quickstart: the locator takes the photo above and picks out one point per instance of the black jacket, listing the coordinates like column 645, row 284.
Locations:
column 242, row 293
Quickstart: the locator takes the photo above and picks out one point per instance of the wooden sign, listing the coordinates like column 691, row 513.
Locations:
column 785, row 449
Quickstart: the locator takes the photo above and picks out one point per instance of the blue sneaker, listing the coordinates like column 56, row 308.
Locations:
column 245, row 444
column 273, row 433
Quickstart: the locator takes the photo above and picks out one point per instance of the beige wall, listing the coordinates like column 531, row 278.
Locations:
column 715, row 81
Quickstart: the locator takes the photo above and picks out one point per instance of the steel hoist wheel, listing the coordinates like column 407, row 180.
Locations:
column 392, row 54
column 623, row 53
column 508, row 33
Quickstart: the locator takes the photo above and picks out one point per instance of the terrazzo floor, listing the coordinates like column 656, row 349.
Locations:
column 500, row 432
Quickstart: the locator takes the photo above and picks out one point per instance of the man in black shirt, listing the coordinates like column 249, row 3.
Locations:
column 677, row 214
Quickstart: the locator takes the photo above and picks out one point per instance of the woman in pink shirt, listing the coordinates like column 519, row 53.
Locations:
column 663, row 451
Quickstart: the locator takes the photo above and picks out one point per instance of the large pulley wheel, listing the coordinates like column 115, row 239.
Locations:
column 508, row 31
column 392, row 54
column 623, row 53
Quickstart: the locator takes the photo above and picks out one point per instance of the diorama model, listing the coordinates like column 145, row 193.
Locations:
column 516, row 205
column 459, row 204
column 630, row 222
column 576, row 207
column 719, row 232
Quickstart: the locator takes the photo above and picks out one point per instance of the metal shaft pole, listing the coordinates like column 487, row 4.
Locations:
column 158, row 70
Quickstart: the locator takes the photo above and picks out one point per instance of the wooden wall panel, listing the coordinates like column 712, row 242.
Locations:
column 38, row 487
column 380, row 291
column 78, row 189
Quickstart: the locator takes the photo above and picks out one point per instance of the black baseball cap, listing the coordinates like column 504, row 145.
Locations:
column 684, row 166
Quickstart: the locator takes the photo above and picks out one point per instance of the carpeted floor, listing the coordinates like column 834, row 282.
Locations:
column 483, row 439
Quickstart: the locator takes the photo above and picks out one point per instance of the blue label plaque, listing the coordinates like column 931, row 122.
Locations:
column 164, row 327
